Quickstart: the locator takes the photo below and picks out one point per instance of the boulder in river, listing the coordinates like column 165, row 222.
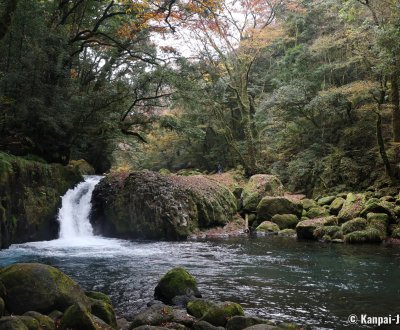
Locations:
column 259, row 186
column 150, row 205
column 269, row 206
column 176, row 282
column 305, row 229
column 40, row 288
column 352, row 207
column 268, row 227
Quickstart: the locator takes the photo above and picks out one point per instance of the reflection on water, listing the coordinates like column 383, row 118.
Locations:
column 273, row 277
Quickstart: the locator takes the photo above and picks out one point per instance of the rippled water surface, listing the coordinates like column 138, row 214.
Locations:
column 273, row 277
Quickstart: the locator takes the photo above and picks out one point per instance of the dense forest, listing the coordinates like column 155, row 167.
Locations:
column 304, row 89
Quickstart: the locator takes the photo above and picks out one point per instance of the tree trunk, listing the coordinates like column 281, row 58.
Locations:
column 396, row 107
column 381, row 144
column 250, row 166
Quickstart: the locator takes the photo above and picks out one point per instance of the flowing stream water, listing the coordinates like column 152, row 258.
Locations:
column 277, row 278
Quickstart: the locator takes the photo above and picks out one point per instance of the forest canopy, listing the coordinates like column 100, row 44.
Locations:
column 306, row 89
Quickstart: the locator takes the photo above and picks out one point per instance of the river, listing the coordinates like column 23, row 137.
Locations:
column 277, row 278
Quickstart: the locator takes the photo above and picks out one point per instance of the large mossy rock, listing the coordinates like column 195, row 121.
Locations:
column 30, row 197
column 12, row 323
column 77, row 317
column 44, row 321
column 306, row 229
column 40, row 288
column 356, row 224
column 336, row 205
column 268, row 227
column 176, row 282
column 285, row 221
column 104, row 311
column 259, row 186
column 216, row 314
column 270, row 206
column 352, row 207
column 150, row 205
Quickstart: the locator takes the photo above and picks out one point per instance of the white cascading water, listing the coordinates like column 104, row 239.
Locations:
column 75, row 210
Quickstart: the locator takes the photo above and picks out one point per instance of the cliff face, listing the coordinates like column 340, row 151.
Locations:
column 30, row 195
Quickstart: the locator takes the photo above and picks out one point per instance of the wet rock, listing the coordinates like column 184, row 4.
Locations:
column 285, row 221
column 38, row 287
column 176, row 282
column 259, row 186
column 150, row 205
column 243, row 322
column 12, row 323
column 55, row 315
column 155, row 315
column 267, row 227
column 336, row 206
column 328, row 233
column 270, row 206
column 98, row 296
column 356, row 224
column 352, row 207
column 287, row 232
column 149, row 327
column 203, row 325
column 78, row 316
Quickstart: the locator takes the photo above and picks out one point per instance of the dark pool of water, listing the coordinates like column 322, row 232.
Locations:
column 272, row 277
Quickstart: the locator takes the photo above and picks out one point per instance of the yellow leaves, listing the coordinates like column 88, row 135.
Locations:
column 353, row 89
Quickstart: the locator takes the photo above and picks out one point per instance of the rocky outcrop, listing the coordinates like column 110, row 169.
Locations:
column 150, row 205
column 30, row 197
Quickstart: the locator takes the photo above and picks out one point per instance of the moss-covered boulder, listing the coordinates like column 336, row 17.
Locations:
column 45, row 322
column 199, row 307
column 378, row 221
column 147, row 204
column 305, row 229
column 259, row 186
column 98, row 296
column 81, row 166
column 317, row 212
column 30, row 197
column 326, row 200
column 356, row 224
column 38, row 287
column 176, row 282
column 221, row 313
column 308, row 203
column 352, row 207
column 369, row 235
column 267, row 227
column 336, row 205
column 104, row 311
column 287, row 233
column 79, row 317
column 270, row 206
column 30, row 322
column 379, row 206
column 328, row 233
column 285, row 221
column 12, row 323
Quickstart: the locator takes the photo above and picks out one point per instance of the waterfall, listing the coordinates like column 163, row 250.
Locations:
column 75, row 209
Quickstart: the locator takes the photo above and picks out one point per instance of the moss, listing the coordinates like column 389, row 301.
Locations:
column 45, row 322
column 308, row 204
column 352, row 207
column 317, row 212
column 326, row 200
column 285, row 221
column 104, row 311
column 333, row 232
column 176, row 282
column 78, row 316
column 269, row 206
column 219, row 315
column 356, row 224
column 37, row 287
column 369, row 235
column 199, row 307
column 287, row 232
column 30, row 322
column 98, row 296
column 336, row 205
column 396, row 232
column 268, row 226
column 12, row 323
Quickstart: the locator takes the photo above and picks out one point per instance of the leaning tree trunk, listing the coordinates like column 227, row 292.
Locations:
column 381, row 144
